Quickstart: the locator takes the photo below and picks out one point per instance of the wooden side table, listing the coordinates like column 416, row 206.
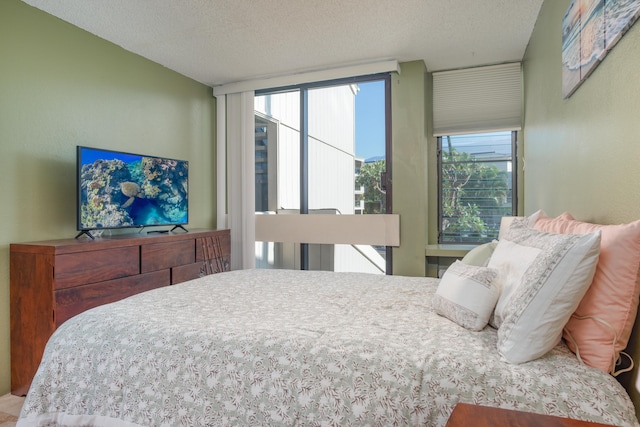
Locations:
column 465, row 414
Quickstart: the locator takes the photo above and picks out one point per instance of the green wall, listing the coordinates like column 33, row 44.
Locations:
column 582, row 154
column 61, row 87
column 409, row 165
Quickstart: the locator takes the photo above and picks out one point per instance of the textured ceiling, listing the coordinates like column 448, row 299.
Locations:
column 223, row 41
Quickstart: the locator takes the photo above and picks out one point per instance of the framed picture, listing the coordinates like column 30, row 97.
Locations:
column 571, row 49
column 590, row 29
column 592, row 39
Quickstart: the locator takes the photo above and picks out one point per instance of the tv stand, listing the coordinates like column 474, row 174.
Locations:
column 163, row 231
column 87, row 232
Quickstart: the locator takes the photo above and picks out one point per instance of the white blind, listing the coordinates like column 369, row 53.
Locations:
column 240, row 130
column 481, row 99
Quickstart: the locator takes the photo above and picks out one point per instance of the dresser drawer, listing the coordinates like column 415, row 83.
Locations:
column 52, row 281
column 72, row 301
column 95, row 266
column 187, row 272
column 160, row 256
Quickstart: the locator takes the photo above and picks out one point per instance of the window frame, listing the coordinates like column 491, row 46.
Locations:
column 386, row 178
column 514, row 187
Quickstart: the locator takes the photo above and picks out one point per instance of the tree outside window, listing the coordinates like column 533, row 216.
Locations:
column 374, row 195
column 476, row 186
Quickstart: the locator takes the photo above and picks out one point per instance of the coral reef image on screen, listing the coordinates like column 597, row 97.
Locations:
column 126, row 190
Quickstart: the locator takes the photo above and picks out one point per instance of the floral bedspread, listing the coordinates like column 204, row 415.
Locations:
column 277, row 347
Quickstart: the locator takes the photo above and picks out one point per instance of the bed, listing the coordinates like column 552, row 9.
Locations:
column 306, row 348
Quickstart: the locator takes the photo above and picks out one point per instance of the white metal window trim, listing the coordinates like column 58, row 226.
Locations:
column 475, row 100
column 378, row 229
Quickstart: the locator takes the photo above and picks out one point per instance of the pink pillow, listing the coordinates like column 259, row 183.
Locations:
column 601, row 325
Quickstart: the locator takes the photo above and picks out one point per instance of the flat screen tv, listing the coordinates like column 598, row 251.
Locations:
column 123, row 190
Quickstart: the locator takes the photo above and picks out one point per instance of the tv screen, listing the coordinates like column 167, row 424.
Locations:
column 119, row 190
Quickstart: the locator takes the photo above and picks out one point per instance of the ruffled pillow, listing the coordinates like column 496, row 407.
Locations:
column 480, row 255
column 543, row 277
column 467, row 295
column 601, row 325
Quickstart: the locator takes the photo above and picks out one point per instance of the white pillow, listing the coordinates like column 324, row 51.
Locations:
column 530, row 220
column 542, row 277
column 466, row 295
column 480, row 255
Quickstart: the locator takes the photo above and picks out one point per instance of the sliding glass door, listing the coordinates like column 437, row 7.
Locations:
column 321, row 150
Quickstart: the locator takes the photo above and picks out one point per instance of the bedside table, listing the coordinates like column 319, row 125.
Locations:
column 465, row 414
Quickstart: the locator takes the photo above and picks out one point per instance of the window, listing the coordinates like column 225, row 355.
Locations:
column 476, row 185
column 313, row 157
column 266, row 131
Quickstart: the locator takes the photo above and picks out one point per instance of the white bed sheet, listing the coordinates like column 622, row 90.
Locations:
column 279, row 347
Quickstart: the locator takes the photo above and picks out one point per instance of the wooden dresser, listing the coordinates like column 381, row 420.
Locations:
column 52, row 281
